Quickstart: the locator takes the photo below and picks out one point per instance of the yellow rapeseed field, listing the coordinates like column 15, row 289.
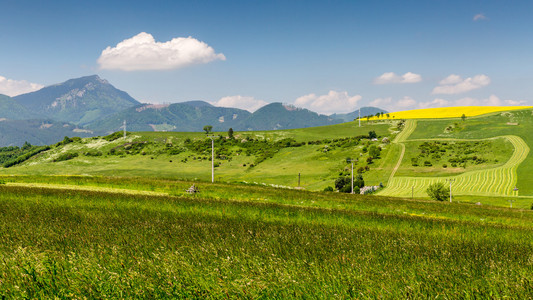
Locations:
column 448, row 112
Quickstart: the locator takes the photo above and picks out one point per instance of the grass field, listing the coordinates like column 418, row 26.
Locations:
column 318, row 164
column 253, row 242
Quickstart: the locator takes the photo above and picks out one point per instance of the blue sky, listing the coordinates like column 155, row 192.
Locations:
column 328, row 56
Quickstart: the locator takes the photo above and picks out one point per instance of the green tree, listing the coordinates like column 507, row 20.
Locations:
column 230, row 133
column 438, row 191
column 208, row 128
column 463, row 117
column 388, row 116
column 374, row 151
column 372, row 135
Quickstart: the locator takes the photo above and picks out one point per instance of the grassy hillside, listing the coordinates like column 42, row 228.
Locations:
column 475, row 179
column 252, row 242
column 270, row 157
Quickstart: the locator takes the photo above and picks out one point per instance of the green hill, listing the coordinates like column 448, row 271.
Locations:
column 485, row 156
column 11, row 109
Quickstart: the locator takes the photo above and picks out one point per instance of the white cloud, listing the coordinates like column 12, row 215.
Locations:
column 381, row 102
column 435, row 103
column 391, row 77
column 454, row 84
column 142, row 52
column 332, row 102
column 492, row 100
column 13, row 88
column 480, row 17
column 243, row 102
column 452, row 79
column 406, row 102
column 515, row 102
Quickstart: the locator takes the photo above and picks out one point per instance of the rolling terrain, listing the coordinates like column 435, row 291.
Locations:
column 483, row 156
column 110, row 217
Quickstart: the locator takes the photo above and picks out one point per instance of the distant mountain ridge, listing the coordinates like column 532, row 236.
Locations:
column 193, row 115
column 90, row 105
column 79, row 101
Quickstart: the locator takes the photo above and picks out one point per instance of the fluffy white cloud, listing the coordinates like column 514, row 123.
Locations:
column 332, row 102
column 142, row 52
column 492, row 100
column 243, row 102
column 390, row 104
column 381, row 102
column 13, row 88
column 480, row 17
column 406, row 102
column 435, row 103
column 454, row 84
column 391, row 77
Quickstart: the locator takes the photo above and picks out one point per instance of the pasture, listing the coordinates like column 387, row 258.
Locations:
column 251, row 241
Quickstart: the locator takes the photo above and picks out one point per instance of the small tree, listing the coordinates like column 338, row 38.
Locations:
column 230, row 133
column 372, row 134
column 463, row 117
column 374, row 151
column 437, row 191
column 208, row 128
column 388, row 116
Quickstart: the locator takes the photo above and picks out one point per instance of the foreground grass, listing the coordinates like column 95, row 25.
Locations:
column 256, row 242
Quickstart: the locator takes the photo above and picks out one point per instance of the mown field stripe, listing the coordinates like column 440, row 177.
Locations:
column 497, row 181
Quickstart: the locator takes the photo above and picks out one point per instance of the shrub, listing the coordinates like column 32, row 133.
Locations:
column 114, row 136
column 93, row 153
column 66, row 156
column 437, row 191
column 328, row 189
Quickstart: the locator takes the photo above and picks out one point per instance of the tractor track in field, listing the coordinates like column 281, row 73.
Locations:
column 498, row 181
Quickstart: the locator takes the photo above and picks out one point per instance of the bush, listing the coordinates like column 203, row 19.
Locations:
column 114, row 136
column 437, row 191
column 328, row 189
column 93, row 153
column 66, row 156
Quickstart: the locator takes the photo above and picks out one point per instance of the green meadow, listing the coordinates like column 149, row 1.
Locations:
column 250, row 241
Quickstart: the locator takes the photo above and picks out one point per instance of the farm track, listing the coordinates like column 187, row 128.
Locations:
column 497, row 181
column 410, row 126
column 87, row 188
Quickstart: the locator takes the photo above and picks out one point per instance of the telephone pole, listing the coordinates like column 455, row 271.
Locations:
column 351, row 160
column 450, row 181
column 212, row 158
column 359, row 117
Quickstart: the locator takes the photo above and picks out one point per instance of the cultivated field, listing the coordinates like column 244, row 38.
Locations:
column 448, row 112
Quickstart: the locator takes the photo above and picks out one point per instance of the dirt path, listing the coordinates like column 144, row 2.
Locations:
column 409, row 127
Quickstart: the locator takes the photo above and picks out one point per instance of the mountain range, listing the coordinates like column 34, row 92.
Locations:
column 90, row 105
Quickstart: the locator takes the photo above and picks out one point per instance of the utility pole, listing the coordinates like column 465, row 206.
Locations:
column 298, row 179
column 351, row 160
column 124, row 129
column 450, row 181
column 359, row 117
column 212, row 158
